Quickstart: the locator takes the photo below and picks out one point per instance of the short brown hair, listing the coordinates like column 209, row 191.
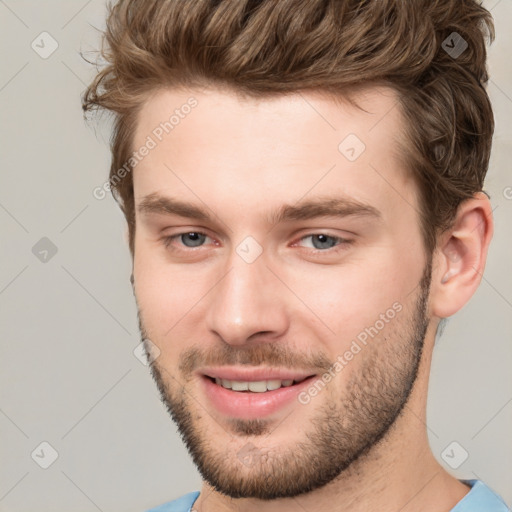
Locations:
column 268, row 47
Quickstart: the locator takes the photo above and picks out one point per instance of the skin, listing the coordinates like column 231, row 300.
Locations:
column 243, row 159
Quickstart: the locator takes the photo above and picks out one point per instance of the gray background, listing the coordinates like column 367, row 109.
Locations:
column 69, row 376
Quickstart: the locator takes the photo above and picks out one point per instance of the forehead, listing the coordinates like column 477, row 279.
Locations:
column 309, row 113
column 218, row 145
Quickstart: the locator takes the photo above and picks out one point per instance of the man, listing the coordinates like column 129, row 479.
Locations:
column 302, row 182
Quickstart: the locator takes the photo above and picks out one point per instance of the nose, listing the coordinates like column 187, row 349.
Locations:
column 248, row 305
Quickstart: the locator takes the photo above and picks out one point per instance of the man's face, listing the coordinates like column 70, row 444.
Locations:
column 307, row 263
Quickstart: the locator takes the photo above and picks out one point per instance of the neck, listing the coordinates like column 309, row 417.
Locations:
column 399, row 473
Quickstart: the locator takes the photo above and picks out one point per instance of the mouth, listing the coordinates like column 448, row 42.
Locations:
column 252, row 394
column 258, row 386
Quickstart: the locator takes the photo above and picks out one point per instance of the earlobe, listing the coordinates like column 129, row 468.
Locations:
column 461, row 255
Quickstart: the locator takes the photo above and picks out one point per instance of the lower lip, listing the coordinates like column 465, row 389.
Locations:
column 249, row 405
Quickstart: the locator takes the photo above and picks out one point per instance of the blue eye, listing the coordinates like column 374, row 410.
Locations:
column 321, row 241
column 195, row 239
column 317, row 242
column 190, row 239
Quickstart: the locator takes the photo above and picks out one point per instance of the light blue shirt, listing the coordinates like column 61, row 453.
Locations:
column 479, row 499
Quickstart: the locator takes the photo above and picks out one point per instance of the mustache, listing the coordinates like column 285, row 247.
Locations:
column 271, row 355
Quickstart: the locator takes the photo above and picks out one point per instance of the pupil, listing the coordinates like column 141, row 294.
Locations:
column 195, row 238
column 325, row 241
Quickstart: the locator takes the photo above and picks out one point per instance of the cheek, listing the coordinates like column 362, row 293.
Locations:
column 167, row 295
column 350, row 298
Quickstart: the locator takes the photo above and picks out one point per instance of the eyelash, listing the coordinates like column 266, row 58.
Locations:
column 341, row 245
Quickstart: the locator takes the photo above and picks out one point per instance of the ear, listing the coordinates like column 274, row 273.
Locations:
column 459, row 259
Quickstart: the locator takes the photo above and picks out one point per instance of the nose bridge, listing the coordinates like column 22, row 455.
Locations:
column 246, row 301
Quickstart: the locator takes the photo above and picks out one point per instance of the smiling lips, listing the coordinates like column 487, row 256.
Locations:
column 257, row 380
column 251, row 393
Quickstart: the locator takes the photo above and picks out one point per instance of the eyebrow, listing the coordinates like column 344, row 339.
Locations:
column 303, row 210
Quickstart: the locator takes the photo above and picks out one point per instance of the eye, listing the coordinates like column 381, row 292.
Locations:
column 323, row 242
column 191, row 239
column 319, row 242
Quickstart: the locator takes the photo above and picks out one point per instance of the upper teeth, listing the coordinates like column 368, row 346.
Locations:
column 259, row 386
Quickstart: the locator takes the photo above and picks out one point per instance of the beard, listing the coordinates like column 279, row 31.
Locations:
column 342, row 431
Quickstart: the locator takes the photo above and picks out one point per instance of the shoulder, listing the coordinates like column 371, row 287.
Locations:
column 480, row 498
column 182, row 504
